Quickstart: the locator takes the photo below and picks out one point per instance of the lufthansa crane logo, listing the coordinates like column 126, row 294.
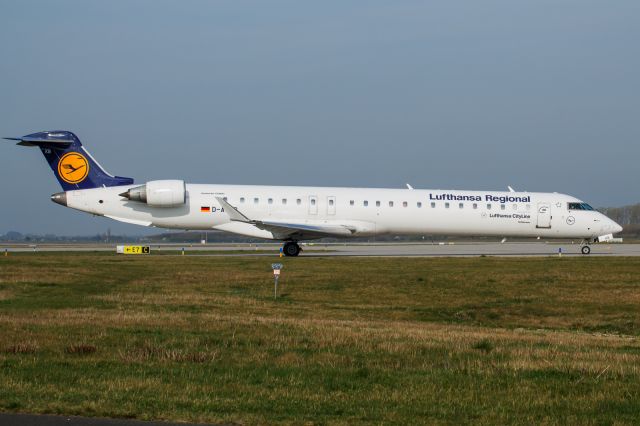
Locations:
column 73, row 167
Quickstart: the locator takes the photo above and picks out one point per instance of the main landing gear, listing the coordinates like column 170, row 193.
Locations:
column 291, row 248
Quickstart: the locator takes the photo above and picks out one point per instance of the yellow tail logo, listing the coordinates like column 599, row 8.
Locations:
column 73, row 167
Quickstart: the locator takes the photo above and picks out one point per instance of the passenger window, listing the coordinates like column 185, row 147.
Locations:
column 242, row 199
column 313, row 201
column 330, row 202
column 284, row 201
column 515, row 207
column 461, row 205
column 405, row 204
column 419, row 204
column 433, row 205
column 366, row 203
column 390, row 203
column 446, row 205
column 351, row 203
column 298, row 201
column 502, row 207
column 475, row 206
column 377, row 203
column 488, row 206
column 256, row 200
column 270, row 201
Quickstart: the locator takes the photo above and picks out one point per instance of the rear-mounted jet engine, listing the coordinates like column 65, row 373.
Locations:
column 159, row 193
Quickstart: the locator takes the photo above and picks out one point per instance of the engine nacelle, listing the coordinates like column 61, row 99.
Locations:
column 159, row 193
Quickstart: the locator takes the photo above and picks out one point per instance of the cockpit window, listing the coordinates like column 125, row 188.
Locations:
column 579, row 206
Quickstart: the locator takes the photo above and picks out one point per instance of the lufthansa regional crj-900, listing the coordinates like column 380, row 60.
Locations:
column 295, row 213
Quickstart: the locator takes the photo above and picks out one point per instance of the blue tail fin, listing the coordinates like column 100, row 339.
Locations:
column 72, row 165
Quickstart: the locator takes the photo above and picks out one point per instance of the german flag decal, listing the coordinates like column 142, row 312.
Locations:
column 204, row 209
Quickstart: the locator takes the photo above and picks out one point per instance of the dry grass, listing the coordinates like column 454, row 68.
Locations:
column 350, row 340
column 150, row 352
column 80, row 349
column 22, row 348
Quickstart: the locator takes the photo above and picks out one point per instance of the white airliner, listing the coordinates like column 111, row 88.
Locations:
column 296, row 213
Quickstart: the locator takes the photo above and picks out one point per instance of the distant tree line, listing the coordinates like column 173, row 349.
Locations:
column 17, row 237
column 628, row 217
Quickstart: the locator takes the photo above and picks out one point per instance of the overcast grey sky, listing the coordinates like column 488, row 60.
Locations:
column 539, row 95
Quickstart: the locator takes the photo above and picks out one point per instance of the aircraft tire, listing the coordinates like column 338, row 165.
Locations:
column 291, row 249
column 586, row 249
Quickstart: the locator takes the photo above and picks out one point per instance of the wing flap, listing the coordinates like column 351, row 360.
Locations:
column 301, row 231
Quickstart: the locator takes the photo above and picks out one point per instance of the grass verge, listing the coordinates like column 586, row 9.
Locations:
column 350, row 340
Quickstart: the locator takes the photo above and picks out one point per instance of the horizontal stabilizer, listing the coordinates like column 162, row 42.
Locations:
column 56, row 140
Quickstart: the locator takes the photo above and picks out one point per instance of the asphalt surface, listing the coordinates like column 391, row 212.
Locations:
column 458, row 249
column 481, row 249
column 46, row 420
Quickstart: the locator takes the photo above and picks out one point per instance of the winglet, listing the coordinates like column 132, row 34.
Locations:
column 234, row 213
column 510, row 189
column 409, row 187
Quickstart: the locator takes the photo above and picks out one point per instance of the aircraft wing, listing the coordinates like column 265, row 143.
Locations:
column 300, row 231
column 289, row 229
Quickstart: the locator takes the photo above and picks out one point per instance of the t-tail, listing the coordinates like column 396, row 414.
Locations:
column 71, row 163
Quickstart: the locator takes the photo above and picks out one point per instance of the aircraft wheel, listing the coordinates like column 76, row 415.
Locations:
column 291, row 249
column 586, row 249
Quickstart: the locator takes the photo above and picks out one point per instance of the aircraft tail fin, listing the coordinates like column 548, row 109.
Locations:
column 71, row 163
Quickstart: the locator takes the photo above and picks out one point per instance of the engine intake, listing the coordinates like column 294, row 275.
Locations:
column 159, row 193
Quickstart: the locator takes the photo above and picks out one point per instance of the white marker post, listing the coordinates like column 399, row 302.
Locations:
column 276, row 275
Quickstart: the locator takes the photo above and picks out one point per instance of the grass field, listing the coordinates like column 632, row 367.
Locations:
column 351, row 340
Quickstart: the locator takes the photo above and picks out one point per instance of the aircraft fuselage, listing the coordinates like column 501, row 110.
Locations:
column 366, row 211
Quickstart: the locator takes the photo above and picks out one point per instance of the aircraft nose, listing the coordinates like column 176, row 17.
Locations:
column 616, row 228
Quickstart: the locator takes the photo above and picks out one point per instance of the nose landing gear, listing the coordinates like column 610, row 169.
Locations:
column 291, row 248
column 585, row 249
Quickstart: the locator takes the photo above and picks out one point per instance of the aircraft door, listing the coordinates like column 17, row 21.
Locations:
column 544, row 215
column 313, row 204
column 331, row 205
